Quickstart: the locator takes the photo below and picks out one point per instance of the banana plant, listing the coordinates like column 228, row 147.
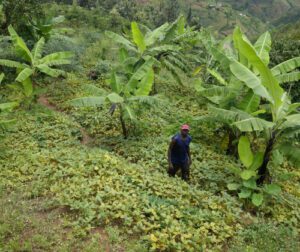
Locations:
column 126, row 90
column 33, row 62
column 44, row 27
column 246, row 184
column 284, row 125
column 248, row 65
column 166, row 44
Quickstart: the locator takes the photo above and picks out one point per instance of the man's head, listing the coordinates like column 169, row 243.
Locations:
column 184, row 129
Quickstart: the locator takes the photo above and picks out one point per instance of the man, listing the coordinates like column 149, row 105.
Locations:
column 179, row 156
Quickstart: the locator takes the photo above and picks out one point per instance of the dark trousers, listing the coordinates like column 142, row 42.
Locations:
column 185, row 171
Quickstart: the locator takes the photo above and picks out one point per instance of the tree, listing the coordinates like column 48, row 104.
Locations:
column 284, row 124
column 19, row 12
column 129, row 86
column 32, row 62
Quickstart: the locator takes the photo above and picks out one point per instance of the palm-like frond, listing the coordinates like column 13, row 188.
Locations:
column 38, row 49
column 11, row 63
column 288, row 77
column 20, row 45
column 93, row 101
column 24, row 74
column 286, row 66
column 58, row 58
column 50, row 71
column 253, row 124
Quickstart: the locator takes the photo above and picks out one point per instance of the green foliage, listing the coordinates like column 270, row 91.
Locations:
column 166, row 44
column 30, row 9
column 35, row 63
column 124, row 92
column 247, row 186
column 44, row 27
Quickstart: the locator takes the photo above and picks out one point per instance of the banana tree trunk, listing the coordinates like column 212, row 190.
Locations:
column 123, row 124
column 263, row 171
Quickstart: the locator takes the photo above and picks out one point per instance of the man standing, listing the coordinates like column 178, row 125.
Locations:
column 179, row 156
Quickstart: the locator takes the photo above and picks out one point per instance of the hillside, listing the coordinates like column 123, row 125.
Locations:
column 126, row 126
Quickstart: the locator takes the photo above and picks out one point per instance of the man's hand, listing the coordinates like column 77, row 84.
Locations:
column 171, row 166
column 190, row 162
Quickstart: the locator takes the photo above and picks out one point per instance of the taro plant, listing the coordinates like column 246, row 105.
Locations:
column 127, row 89
column 33, row 63
column 246, row 186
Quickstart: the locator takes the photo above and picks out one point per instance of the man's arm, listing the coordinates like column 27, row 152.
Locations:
column 169, row 152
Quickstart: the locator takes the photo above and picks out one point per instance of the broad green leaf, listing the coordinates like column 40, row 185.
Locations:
column 250, row 79
column 217, row 76
column 235, row 170
column 93, row 101
column 93, row 90
column 138, row 37
column 221, row 57
column 50, row 71
column 257, row 199
column 247, row 174
column 288, row 77
column 257, row 161
column 245, row 193
column 27, row 87
column 37, row 50
column 163, row 48
column 263, row 47
column 140, row 74
column 213, row 90
column 251, row 184
column 286, row 66
column 157, row 35
column 291, row 121
column 267, row 78
column 114, row 83
column 129, row 113
column 11, row 63
column 145, row 85
column 253, row 124
column 227, row 116
column 250, row 102
column 120, row 40
column 123, row 54
column 272, row 189
column 20, row 45
column 233, row 186
column 115, row 98
column 8, row 106
column 24, row 74
column 58, row 58
column 293, row 107
column 245, row 152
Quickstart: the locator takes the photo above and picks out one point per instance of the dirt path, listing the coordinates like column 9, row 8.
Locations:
column 43, row 100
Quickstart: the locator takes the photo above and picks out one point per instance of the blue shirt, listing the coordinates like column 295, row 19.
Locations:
column 179, row 152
